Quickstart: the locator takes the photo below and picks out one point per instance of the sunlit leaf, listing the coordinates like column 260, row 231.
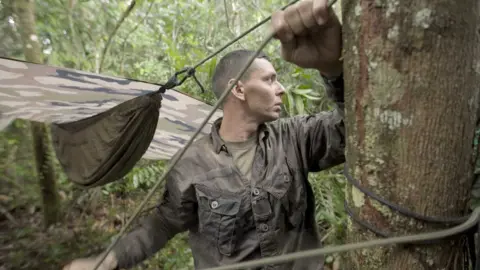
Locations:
column 291, row 103
column 301, row 91
column 299, row 105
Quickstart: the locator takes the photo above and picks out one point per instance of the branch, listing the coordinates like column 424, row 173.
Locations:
column 80, row 49
column 226, row 15
column 8, row 215
column 112, row 35
column 230, row 27
column 256, row 7
column 131, row 32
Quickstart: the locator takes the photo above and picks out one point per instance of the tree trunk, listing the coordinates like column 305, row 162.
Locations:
column 25, row 11
column 45, row 174
column 412, row 72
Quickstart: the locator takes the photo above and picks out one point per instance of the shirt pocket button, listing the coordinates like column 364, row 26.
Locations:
column 214, row 204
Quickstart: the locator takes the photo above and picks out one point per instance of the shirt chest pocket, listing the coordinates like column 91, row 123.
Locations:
column 218, row 213
column 289, row 189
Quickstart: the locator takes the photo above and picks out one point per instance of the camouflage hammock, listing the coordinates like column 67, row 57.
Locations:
column 99, row 131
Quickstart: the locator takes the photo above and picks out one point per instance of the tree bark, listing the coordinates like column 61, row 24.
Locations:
column 411, row 74
column 9, row 40
column 45, row 174
column 25, row 11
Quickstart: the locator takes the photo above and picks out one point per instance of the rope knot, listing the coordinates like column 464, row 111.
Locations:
column 173, row 81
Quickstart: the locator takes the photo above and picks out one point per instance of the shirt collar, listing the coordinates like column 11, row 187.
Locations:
column 219, row 144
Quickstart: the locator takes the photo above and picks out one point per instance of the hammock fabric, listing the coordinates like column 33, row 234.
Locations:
column 100, row 125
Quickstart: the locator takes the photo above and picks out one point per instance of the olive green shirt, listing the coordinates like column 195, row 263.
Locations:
column 243, row 154
column 231, row 219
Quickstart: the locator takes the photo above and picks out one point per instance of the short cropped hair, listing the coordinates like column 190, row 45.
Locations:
column 229, row 67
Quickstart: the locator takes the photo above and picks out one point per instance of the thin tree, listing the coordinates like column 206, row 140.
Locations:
column 25, row 12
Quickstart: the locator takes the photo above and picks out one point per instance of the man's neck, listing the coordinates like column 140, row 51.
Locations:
column 237, row 127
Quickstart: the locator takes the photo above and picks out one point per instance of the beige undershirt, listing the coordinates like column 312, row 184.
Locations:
column 243, row 154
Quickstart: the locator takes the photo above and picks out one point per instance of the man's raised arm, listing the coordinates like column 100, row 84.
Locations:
column 320, row 137
column 311, row 37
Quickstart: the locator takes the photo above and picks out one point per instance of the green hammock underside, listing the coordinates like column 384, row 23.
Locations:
column 103, row 148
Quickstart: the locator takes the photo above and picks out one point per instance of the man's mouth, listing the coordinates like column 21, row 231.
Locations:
column 278, row 106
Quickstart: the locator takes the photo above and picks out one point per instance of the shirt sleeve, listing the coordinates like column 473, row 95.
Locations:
column 174, row 214
column 320, row 138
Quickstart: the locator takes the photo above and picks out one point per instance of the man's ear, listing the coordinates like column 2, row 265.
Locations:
column 238, row 90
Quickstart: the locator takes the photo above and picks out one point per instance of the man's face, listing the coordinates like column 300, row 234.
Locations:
column 262, row 92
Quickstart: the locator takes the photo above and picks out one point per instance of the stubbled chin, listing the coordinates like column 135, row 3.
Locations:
column 274, row 116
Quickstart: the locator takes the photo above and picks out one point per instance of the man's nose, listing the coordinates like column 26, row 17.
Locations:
column 280, row 89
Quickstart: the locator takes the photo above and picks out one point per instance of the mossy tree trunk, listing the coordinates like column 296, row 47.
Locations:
column 412, row 72
column 25, row 13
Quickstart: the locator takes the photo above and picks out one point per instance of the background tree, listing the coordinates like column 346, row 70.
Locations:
column 412, row 100
column 153, row 40
column 25, row 12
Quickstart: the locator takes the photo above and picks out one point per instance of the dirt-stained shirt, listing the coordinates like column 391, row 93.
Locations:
column 232, row 219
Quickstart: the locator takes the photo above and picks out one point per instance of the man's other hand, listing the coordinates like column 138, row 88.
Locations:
column 311, row 36
column 109, row 263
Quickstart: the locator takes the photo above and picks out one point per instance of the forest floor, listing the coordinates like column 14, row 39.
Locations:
column 82, row 232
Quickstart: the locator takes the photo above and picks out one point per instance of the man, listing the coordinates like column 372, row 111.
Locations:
column 242, row 191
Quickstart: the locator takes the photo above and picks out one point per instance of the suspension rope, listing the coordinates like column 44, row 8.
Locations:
column 472, row 221
column 469, row 246
column 424, row 238
column 241, row 36
column 182, row 151
column 401, row 209
column 173, row 81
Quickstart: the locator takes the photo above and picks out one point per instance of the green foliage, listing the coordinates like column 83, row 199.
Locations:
column 328, row 187
column 143, row 176
column 156, row 39
column 307, row 95
column 175, row 256
column 17, row 166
